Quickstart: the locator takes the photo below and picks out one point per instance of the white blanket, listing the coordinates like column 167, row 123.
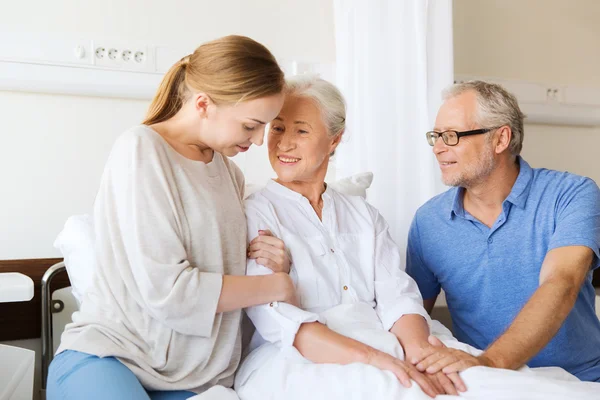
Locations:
column 271, row 372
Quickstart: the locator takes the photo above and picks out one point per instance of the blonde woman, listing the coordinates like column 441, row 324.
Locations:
column 162, row 318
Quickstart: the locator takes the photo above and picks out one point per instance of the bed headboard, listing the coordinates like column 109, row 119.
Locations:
column 23, row 320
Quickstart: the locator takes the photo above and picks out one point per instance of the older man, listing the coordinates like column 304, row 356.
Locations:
column 513, row 247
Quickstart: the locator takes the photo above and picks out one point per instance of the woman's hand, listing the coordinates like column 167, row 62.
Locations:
column 405, row 371
column 270, row 252
column 287, row 289
column 451, row 384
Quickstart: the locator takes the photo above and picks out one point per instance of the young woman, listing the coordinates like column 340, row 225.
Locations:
column 162, row 319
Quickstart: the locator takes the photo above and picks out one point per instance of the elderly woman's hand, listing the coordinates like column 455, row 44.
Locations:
column 405, row 372
column 270, row 252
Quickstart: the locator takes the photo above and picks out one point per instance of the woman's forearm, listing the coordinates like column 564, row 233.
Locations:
column 319, row 344
column 247, row 291
column 412, row 331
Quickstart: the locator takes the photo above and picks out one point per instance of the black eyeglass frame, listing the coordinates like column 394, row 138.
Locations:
column 458, row 135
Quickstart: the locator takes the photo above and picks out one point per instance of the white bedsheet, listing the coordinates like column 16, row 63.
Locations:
column 273, row 373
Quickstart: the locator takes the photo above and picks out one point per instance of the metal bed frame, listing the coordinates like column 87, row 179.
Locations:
column 47, row 311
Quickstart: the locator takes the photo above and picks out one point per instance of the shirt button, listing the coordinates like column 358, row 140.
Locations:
column 345, row 287
column 332, row 250
column 271, row 305
column 490, row 240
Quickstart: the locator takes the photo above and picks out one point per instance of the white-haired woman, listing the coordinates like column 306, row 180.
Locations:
column 355, row 302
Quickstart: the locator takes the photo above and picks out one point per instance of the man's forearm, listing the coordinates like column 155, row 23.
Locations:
column 536, row 324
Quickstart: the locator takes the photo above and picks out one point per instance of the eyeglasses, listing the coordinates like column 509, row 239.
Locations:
column 450, row 138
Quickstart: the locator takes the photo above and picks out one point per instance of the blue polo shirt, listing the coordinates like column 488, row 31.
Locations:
column 488, row 274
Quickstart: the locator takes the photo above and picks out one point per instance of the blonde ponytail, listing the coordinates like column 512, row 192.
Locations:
column 170, row 95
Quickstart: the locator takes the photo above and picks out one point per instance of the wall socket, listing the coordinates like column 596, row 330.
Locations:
column 122, row 56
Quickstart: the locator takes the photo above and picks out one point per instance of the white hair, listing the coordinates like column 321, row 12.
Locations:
column 325, row 95
column 495, row 107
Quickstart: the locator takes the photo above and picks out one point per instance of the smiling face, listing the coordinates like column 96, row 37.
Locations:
column 473, row 159
column 299, row 142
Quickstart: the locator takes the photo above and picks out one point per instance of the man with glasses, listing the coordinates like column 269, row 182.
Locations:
column 511, row 246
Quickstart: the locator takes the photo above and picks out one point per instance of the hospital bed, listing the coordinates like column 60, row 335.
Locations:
column 58, row 306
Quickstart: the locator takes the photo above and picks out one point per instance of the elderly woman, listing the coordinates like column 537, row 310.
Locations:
column 351, row 287
column 357, row 315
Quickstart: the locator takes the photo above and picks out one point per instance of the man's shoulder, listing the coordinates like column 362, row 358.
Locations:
column 547, row 181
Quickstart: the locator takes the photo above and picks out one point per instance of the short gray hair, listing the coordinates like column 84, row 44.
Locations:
column 326, row 96
column 496, row 107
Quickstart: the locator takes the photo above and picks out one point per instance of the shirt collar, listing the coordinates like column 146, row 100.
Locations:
column 457, row 203
column 281, row 190
column 520, row 191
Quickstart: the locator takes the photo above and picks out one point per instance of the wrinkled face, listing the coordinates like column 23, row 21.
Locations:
column 472, row 160
column 299, row 142
column 230, row 129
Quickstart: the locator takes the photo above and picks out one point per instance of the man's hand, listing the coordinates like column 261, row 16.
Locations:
column 452, row 383
column 449, row 361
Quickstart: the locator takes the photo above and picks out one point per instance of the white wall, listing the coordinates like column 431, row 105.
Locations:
column 291, row 29
column 548, row 41
column 53, row 147
column 51, row 158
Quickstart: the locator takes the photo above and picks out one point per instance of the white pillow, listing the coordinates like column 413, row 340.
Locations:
column 355, row 185
column 76, row 243
column 76, row 240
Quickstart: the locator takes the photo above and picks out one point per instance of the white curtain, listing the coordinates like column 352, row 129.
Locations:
column 393, row 58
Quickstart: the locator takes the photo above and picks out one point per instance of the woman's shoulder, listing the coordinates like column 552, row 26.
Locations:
column 353, row 204
column 138, row 145
column 140, row 135
column 257, row 200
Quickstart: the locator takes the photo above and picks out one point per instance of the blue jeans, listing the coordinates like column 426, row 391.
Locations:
column 75, row 375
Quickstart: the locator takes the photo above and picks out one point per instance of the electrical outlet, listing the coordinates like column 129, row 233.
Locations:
column 100, row 53
column 139, row 57
column 113, row 54
column 128, row 56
